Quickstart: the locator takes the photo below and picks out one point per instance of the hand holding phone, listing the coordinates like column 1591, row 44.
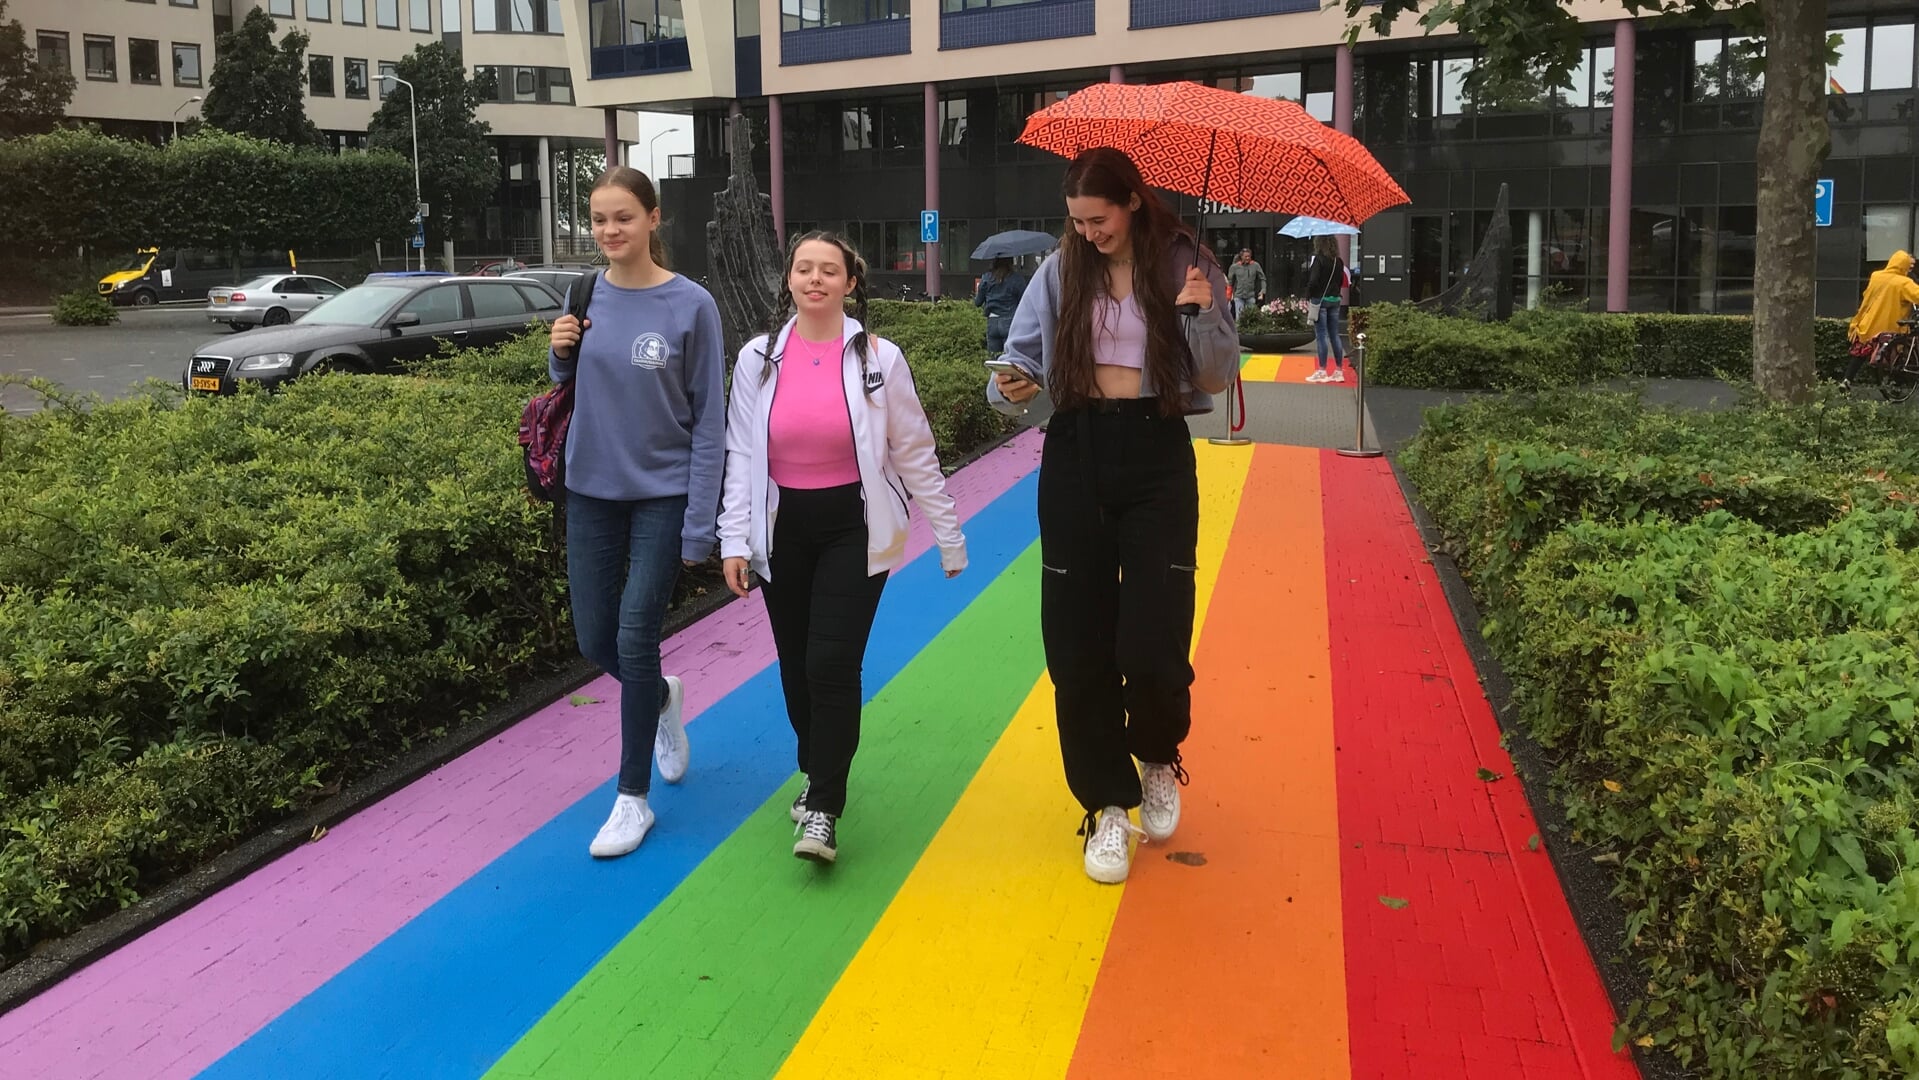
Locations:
column 1007, row 367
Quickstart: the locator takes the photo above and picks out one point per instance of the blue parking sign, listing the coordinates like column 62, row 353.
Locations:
column 1822, row 203
column 929, row 226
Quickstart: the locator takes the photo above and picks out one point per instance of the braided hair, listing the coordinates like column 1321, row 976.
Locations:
column 855, row 269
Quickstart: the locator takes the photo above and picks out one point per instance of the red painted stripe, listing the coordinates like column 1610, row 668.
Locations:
column 1482, row 974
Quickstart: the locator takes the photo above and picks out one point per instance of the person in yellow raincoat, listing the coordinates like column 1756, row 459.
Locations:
column 1890, row 295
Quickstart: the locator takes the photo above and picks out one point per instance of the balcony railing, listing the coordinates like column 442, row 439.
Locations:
column 1039, row 21
column 825, row 44
column 649, row 58
column 1148, row 14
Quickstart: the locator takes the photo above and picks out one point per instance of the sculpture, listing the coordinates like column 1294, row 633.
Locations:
column 1485, row 288
column 742, row 246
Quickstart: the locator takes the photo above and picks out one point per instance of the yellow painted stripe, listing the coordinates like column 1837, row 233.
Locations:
column 1263, row 367
column 983, row 963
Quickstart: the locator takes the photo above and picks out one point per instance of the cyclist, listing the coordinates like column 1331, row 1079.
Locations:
column 1890, row 296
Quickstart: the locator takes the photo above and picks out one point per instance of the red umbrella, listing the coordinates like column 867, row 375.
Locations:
column 1248, row 152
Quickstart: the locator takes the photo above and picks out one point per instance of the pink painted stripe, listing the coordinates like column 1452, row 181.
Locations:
column 178, row 998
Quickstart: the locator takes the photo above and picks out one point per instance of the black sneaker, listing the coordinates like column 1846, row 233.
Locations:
column 798, row 812
column 817, row 839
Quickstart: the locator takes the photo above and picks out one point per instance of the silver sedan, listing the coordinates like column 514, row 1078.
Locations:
column 268, row 301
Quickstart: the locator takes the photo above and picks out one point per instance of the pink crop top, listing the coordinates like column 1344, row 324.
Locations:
column 1119, row 332
column 809, row 436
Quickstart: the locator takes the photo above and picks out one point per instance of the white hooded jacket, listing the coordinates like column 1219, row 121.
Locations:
column 891, row 439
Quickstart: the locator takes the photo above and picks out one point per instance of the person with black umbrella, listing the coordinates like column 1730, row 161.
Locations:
column 999, row 291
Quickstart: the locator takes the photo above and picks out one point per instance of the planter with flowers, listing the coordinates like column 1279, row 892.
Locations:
column 1275, row 327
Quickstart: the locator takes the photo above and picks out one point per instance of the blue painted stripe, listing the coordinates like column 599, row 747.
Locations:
column 447, row 994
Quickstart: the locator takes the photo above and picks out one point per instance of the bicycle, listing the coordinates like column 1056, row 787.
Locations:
column 1895, row 358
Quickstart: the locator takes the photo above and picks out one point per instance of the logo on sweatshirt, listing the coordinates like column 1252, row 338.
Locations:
column 650, row 351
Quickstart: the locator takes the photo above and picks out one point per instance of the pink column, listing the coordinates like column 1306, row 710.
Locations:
column 776, row 164
column 933, row 183
column 1343, row 113
column 613, row 138
column 1116, row 74
column 1619, row 209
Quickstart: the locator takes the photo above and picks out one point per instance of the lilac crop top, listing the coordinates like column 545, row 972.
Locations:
column 1119, row 332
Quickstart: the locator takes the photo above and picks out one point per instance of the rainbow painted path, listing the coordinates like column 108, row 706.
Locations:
column 458, row 929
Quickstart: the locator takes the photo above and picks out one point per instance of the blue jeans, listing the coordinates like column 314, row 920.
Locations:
column 1326, row 337
column 622, row 559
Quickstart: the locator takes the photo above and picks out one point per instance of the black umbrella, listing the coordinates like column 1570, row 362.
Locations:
column 1014, row 243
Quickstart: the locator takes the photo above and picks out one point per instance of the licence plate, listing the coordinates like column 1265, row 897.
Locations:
column 205, row 382
column 219, row 299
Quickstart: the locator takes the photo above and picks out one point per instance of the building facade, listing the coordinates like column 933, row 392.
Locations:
column 1633, row 187
column 141, row 67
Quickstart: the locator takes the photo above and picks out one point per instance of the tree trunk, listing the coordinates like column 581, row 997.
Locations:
column 1793, row 141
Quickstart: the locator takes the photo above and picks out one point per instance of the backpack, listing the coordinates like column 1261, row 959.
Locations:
column 545, row 420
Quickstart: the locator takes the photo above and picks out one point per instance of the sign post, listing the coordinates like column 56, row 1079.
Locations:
column 1822, row 198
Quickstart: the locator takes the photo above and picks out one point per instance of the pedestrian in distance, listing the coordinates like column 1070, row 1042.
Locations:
column 1890, row 296
column 1099, row 332
column 644, row 457
column 1325, row 286
column 998, row 295
column 826, row 443
column 1248, row 282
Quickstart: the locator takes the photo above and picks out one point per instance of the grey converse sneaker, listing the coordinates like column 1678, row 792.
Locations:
column 1109, row 845
column 818, row 841
column 798, row 812
column 1159, row 798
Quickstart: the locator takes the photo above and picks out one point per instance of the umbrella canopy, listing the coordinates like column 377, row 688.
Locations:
column 1303, row 226
column 1249, row 152
column 1014, row 243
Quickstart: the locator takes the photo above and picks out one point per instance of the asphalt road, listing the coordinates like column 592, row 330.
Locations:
column 147, row 343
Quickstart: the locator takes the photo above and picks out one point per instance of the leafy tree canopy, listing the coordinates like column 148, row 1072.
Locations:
column 459, row 170
column 259, row 88
column 33, row 97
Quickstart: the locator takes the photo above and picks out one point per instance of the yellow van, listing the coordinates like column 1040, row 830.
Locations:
column 156, row 274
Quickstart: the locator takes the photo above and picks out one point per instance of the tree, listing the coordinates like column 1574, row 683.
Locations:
column 1525, row 41
column 33, row 97
column 459, row 170
column 259, row 88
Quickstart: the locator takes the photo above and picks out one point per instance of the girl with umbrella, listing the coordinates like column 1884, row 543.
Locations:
column 999, row 291
column 1119, row 497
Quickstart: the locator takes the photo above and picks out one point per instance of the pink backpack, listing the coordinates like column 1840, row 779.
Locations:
column 544, row 421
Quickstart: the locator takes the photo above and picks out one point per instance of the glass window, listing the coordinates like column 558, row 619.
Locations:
column 603, row 17
column 101, row 58
column 435, row 306
column 355, row 78
column 143, row 61
column 856, row 128
column 185, row 3
column 387, row 86
column 353, row 12
column 559, row 85
column 320, row 75
column 1892, row 56
column 1847, row 74
column 419, row 15
column 319, row 10
column 280, row 9
column 294, row 286
column 54, row 51
column 486, row 15
column 186, row 64
column 811, row 14
column 536, row 300
column 952, row 121
column 670, row 18
column 1449, row 85
column 746, row 17
column 496, row 301
column 387, row 13
column 1888, row 229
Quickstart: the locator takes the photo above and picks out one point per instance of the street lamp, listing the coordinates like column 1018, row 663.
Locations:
column 652, row 162
column 413, row 114
column 176, row 113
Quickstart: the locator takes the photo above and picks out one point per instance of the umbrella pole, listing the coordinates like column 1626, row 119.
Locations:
column 1205, row 186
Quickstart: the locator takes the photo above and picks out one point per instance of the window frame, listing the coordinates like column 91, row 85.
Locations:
column 413, row 8
column 112, row 69
column 199, row 64
column 273, row 5
column 348, row 6
column 332, row 87
column 346, row 78
column 65, row 49
column 379, row 17
column 383, row 67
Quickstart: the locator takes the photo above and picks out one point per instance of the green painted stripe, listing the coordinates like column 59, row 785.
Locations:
column 725, row 974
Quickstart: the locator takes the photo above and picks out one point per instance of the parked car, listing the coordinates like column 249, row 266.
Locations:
column 559, row 280
column 383, row 275
column 377, row 327
column 156, row 274
column 269, row 300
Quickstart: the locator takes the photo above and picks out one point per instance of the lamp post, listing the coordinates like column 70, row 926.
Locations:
column 413, row 115
column 652, row 162
column 176, row 113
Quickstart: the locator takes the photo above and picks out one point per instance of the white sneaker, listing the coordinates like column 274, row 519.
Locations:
column 1338, row 376
column 1159, row 799
column 670, row 749
column 1318, row 375
column 1109, row 847
column 625, row 829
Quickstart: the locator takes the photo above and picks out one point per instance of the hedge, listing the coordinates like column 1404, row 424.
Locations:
column 77, row 188
column 214, row 611
column 1548, row 347
column 1712, row 625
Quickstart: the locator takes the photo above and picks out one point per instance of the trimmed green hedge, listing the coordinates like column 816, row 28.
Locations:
column 1712, row 624
column 214, row 612
column 1549, row 347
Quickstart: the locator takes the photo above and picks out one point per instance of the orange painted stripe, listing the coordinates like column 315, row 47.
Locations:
column 1236, row 968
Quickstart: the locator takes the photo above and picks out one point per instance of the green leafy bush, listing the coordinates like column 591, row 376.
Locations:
column 945, row 345
column 83, row 307
column 1416, row 348
column 1712, row 623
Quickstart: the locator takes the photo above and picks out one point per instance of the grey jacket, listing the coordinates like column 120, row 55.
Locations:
column 1210, row 335
column 1247, row 279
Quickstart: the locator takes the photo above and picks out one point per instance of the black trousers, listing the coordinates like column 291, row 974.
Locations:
column 820, row 602
column 1119, row 532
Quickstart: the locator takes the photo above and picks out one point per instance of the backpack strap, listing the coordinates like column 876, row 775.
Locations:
column 580, row 296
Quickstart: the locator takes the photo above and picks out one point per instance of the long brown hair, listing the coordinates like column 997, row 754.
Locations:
column 641, row 186
column 855, row 269
column 1109, row 174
